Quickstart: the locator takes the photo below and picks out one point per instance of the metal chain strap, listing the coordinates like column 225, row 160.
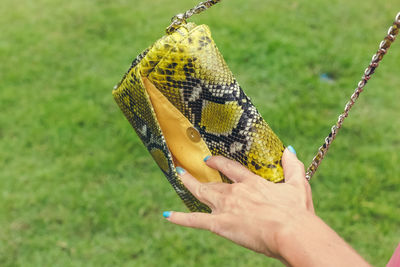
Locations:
column 383, row 48
column 177, row 20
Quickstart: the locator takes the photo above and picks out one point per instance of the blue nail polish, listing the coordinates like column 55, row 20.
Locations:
column 206, row 158
column 166, row 214
column 291, row 149
column 180, row 170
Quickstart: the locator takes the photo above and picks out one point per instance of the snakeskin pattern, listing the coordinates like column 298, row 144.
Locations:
column 187, row 68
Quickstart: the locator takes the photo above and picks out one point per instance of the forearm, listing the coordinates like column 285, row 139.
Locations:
column 308, row 241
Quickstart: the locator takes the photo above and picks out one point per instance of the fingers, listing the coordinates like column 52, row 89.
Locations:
column 231, row 169
column 197, row 220
column 293, row 169
column 204, row 192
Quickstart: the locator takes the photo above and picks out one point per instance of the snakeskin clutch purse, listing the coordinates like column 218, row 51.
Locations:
column 184, row 103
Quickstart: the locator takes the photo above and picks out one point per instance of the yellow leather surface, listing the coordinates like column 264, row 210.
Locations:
column 187, row 152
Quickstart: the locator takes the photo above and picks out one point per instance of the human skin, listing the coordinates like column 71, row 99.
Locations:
column 277, row 220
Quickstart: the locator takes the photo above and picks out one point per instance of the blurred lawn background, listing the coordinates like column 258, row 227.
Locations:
column 77, row 187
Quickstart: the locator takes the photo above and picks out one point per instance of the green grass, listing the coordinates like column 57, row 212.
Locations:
column 77, row 187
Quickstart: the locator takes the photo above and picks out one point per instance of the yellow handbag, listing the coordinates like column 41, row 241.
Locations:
column 184, row 103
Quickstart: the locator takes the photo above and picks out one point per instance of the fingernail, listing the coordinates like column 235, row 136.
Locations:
column 166, row 214
column 206, row 158
column 291, row 149
column 180, row 170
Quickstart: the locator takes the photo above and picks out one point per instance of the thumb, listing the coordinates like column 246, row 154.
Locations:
column 293, row 168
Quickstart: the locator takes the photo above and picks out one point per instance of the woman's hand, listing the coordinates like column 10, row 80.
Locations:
column 252, row 211
column 275, row 219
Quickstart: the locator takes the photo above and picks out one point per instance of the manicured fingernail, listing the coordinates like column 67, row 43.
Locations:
column 291, row 149
column 206, row 158
column 166, row 214
column 180, row 170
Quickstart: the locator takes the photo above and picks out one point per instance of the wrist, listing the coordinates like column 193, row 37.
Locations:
column 295, row 232
column 308, row 241
column 299, row 240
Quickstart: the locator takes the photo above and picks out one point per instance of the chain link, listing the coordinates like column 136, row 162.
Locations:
column 179, row 19
column 383, row 48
